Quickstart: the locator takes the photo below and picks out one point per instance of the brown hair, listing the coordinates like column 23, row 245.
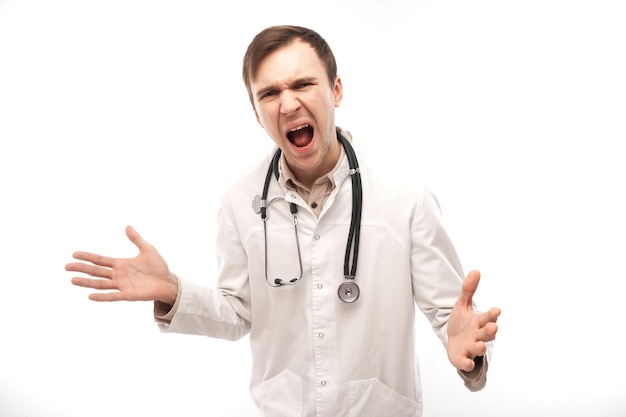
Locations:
column 274, row 38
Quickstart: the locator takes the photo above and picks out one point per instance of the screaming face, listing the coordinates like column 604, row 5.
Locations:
column 295, row 103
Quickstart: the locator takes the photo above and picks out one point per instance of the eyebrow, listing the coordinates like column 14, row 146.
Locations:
column 269, row 88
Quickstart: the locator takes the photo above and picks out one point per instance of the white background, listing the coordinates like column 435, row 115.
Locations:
column 133, row 112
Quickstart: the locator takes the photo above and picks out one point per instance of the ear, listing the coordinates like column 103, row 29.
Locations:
column 337, row 91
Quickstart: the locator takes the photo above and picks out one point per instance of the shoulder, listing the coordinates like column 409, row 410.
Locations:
column 244, row 185
column 386, row 178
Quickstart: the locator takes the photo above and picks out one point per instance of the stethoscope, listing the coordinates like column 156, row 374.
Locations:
column 348, row 291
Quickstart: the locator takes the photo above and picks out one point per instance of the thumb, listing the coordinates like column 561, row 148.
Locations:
column 470, row 283
column 134, row 237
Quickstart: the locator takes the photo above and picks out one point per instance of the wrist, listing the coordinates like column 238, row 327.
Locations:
column 170, row 290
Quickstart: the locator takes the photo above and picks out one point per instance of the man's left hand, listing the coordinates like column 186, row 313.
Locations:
column 469, row 331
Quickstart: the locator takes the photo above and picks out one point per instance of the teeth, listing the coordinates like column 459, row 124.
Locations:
column 295, row 129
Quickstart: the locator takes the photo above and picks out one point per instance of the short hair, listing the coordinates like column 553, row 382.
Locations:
column 276, row 37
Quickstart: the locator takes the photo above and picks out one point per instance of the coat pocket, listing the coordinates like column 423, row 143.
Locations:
column 279, row 396
column 372, row 398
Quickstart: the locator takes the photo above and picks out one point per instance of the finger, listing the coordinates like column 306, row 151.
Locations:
column 136, row 238
column 465, row 361
column 96, row 284
column 467, row 365
column 93, row 258
column 478, row 349
column 107, row 296
column 93, row 270
column 470, row 283
column 487, row 333
column 490, row 316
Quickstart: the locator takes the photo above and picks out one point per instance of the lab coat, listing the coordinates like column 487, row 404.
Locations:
column 314, row 355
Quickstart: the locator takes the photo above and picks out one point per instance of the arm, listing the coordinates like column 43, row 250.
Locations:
column 197, row 309
column 145, row 277
column 446, row 300
column 223, row 312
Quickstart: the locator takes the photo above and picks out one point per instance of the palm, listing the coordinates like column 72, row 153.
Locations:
column 135, row 277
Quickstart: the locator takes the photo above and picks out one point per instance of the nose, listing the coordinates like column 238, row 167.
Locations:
column 289, row 102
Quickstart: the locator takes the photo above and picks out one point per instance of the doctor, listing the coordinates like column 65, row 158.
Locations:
column 327, row 269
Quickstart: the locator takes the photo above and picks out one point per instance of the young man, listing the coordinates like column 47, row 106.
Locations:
column 326, row 271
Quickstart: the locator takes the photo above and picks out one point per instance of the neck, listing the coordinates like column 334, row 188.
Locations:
column 329, row 160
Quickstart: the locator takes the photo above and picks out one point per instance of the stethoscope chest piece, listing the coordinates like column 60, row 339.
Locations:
column 348, row 291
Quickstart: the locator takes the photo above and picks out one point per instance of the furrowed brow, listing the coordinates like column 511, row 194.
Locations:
column 295, row 83
column 304, row 80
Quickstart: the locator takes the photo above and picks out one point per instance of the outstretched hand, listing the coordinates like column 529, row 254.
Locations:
column 145, row 277
column 469, row 331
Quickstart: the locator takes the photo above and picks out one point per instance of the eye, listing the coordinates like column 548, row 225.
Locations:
column 302, row 85
column 268, row 94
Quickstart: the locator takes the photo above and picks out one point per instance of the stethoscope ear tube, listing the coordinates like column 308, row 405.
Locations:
column 262, row 205
column 277, row 282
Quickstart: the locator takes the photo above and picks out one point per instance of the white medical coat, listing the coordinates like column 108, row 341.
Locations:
column 314, row 355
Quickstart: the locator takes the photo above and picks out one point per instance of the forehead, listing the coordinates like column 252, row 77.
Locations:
column 295, row 60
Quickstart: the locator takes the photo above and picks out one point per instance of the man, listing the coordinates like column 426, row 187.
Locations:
column 326, row 278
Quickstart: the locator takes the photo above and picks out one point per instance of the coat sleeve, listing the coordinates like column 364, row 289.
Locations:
column 436, row 270
column 437, row 276
column 223, row 312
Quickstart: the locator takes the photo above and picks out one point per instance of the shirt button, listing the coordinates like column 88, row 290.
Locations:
column 293, row 196
column 323, row 383
column 319, row 286
column 321, row 335
column 314, row 205
column 317, row 237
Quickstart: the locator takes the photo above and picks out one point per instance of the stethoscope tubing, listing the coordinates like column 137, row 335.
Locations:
column 357, row 203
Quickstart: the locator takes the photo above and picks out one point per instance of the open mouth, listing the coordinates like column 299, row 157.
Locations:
column 300, row 136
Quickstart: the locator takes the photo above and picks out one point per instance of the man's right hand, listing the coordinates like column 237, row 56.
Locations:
column 143, row 278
